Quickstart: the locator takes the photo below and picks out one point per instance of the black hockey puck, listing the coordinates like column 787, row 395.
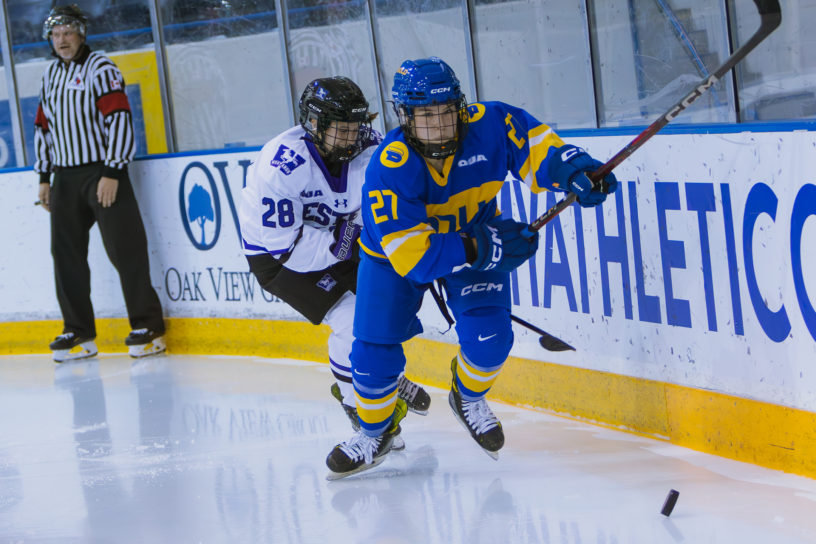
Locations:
column 671, row 500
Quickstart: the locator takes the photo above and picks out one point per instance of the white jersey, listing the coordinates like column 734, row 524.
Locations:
column 291, row 202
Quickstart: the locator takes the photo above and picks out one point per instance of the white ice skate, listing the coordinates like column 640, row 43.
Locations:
column 69, row 347
column 144, row 342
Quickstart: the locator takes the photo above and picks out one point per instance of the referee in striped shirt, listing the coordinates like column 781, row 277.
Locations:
column 84, row 136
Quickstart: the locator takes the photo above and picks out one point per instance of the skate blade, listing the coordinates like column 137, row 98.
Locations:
column 398, row 444
column 332, row 476
column 153, row 347
column 80, row 351
column 417, row 412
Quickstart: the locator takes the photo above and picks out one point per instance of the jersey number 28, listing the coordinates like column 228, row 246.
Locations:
column 284, row 209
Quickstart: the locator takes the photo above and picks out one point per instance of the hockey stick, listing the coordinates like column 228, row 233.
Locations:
column 771, row 17
column 547, row 340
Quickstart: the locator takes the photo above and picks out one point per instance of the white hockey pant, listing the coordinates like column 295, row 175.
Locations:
column 340, row 318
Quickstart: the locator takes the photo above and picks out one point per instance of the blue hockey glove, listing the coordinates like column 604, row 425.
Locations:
column 346, row 234
column 502, row 245
column 568, row 169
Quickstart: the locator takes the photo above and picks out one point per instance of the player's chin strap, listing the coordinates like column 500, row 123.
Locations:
column 547, row 340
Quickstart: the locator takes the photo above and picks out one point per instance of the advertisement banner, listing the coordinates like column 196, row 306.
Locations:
column 698, row 271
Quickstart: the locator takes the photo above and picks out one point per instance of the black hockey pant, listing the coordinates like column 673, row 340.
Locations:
column 74, row 209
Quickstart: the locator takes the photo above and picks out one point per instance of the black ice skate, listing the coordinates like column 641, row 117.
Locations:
column 417, row 399
column 477, row 418
column 69, row 346
column 144, row 342
column 351, row 413
column 364, row 452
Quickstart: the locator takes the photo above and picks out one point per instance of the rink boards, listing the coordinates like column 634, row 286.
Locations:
column 690, row 294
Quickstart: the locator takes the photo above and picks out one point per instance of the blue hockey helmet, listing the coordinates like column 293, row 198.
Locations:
column 430, row 82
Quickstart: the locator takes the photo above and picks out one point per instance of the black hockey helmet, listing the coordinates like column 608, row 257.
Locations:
column 334, row 99
column 65, row 15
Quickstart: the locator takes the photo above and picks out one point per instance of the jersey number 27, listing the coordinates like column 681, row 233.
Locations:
column 379, row 204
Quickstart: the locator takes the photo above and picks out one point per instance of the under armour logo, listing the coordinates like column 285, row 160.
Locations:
column 337, row 203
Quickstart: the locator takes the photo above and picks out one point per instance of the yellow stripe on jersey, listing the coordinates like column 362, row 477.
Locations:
column 373, row 411
column 449, row 213
column 534, row 134
column 477, row 381
column 542, row 138
column 406, row 247
column 441, row 179
column 371, row 251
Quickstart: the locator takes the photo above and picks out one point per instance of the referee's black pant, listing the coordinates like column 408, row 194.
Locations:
column 74, row 209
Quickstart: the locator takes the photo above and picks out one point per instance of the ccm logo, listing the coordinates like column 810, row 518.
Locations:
column 481, row 288
column 496, row 256
column 440, row 90
column 692, row 96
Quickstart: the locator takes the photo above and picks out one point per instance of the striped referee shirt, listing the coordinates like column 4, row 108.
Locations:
column 83, row 116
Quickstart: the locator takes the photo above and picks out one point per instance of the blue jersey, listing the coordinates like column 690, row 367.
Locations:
column 413, row 215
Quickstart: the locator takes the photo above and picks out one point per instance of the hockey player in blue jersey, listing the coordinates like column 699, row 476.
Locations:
column 299, row 220
column 430, row 213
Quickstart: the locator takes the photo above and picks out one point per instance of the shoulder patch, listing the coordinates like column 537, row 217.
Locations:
column 286, row 160
column 394, row 155
column 475, row 112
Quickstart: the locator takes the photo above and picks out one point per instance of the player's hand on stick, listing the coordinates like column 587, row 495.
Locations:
column 569, row 168
column 503, row 244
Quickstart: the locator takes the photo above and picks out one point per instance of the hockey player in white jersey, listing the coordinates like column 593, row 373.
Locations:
column 299, row 221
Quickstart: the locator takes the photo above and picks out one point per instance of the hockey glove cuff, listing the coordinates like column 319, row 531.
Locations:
column 502, row 245
column 567, row 170
column 346, row 234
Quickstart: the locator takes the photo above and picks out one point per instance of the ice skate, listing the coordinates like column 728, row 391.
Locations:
column 477, row 418
column 144, row 342
column 69, row 347
column 415, row 397
column 364, row 452
column 351, row 412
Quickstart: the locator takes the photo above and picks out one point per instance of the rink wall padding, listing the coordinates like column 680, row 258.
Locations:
column 690, row 295
column 198, row 336
column 746, row 430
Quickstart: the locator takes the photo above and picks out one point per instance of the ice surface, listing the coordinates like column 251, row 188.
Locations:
column 223, row 449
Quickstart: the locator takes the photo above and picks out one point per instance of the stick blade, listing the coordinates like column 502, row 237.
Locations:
column 551, row 343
